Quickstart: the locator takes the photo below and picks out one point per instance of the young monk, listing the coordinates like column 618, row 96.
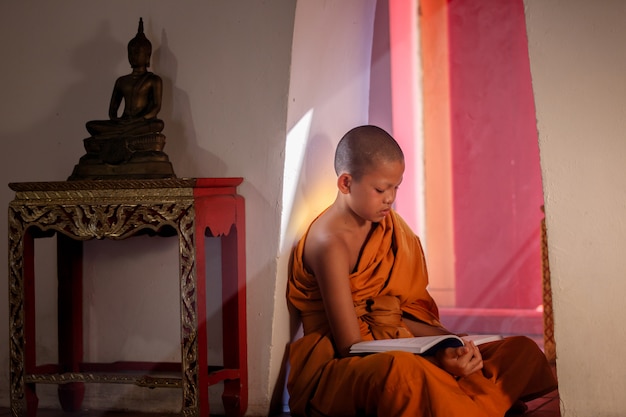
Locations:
column 359, row 274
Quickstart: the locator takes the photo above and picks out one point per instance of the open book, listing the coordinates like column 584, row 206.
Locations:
column 424, row 345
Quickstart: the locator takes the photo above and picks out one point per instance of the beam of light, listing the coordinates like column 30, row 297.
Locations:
column 295, row 147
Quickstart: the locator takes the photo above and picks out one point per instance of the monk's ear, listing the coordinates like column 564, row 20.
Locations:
column 343, row 183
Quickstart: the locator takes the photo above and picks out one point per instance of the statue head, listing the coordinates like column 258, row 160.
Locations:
column 139, row 49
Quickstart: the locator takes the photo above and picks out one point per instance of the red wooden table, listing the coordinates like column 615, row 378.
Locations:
column 75, row 211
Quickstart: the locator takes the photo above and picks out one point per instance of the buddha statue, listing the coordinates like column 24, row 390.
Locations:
column 132, row 141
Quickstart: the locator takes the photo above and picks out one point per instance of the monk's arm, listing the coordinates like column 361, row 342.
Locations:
column 329, row 261
column 459, row 361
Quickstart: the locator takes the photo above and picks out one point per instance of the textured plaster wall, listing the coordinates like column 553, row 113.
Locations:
column 234, row 96
column 578, row 65
column 225, row 67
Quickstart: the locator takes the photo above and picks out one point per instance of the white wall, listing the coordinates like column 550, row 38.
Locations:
column 225, row 67
column 578, row 65
column 229, row 108
column 328, row 95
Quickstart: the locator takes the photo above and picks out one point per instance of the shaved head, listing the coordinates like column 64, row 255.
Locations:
column 362, row 148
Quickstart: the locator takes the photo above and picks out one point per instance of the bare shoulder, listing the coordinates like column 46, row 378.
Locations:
column 333, row 244
column 324, row 243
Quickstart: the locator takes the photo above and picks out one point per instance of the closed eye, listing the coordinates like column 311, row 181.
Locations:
column 378, row 190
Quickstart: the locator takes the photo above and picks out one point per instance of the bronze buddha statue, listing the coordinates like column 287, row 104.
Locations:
column 129, row 145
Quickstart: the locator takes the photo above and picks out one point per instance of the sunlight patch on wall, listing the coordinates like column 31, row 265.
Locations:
column 295, row 148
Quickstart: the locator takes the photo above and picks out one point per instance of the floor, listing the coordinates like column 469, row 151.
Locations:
column 547, row 406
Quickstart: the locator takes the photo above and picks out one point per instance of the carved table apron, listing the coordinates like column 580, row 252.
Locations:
column 81, row 210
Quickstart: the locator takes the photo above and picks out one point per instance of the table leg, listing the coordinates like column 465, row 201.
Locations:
column 200, row 287
column 235, row 395
column 70, row 318
column 29, row 341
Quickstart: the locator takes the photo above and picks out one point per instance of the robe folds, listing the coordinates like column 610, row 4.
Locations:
column 390, row 281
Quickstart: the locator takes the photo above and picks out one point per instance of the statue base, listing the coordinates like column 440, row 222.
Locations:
column 137, row 157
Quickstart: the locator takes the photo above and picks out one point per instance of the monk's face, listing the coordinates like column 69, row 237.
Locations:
column 371, row 197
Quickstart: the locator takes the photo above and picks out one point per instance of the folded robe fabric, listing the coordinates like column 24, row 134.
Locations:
column 391, row 281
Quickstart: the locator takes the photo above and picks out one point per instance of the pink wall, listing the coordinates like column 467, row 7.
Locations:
column 404, row 66
column 483, row 189
column 496, row 178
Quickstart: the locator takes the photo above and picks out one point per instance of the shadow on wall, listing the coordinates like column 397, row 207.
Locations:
column 182, row 142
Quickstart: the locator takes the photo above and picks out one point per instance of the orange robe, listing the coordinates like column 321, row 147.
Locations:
column 390, row 280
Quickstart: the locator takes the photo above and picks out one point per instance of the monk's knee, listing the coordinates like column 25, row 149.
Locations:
column 402, row 365
column 523, row 343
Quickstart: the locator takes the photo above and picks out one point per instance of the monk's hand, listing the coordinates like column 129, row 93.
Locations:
column 461, row 361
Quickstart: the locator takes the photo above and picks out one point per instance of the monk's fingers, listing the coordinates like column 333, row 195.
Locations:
column 470, row 363
column 465, row 353
column 477, row 362
column 477, row 357
column 466, row 363
column 474, row 349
